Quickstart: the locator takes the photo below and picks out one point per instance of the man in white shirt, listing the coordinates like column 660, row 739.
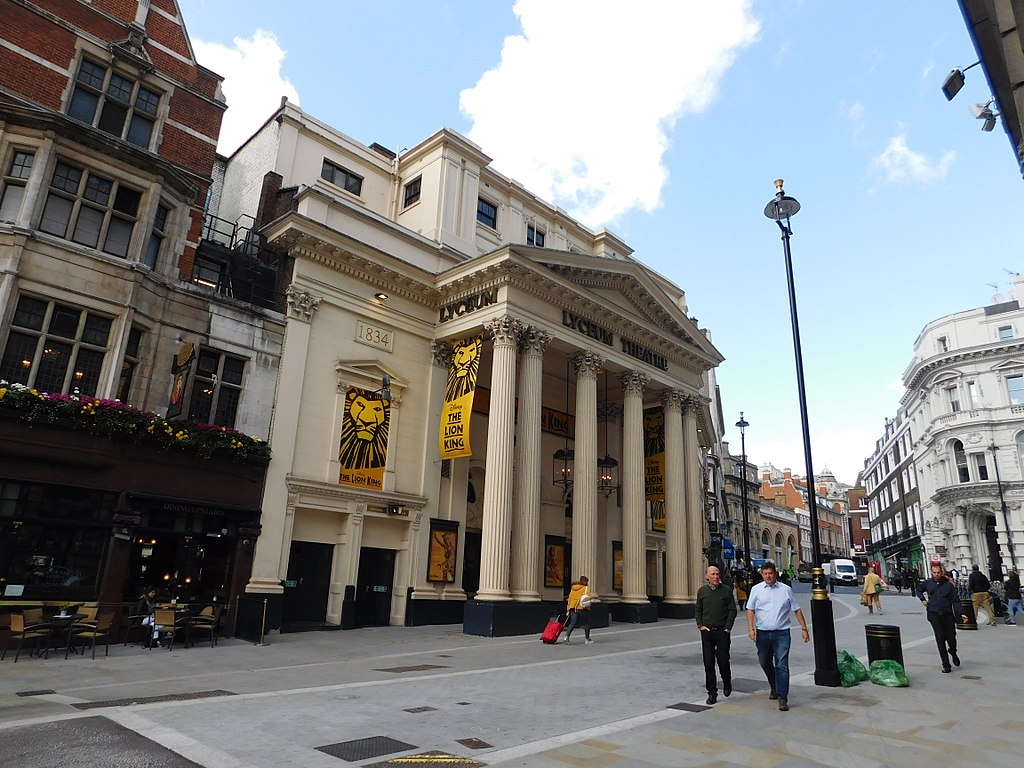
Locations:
column 768, row 621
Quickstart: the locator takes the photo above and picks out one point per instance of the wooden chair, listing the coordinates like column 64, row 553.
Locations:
column 207, row 620
column 22, row 630
column 88, row 613
column 170, row 624
column 91, row 632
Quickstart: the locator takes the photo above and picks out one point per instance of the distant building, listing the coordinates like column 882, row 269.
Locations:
column 787, row 490
column 860, row 524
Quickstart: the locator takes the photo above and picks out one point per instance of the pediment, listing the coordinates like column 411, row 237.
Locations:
column 1014, row 364
column 368, row 374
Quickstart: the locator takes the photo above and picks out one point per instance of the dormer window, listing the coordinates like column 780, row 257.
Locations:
column 114, row 103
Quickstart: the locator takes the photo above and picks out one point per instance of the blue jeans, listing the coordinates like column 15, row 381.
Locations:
column 773, row 654
column 1013, row 607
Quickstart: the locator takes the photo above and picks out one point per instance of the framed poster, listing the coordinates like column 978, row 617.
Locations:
column 554, row 561
column 444, row 544
column 658, row 515
column 617, row 566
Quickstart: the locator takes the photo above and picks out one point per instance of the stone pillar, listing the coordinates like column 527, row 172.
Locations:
column 497, row 511
column 961, row 554
column 675, row 498
column 524, row 581
column 695, row 524
column 584, row 487
column 634, row 522
column 270, row 560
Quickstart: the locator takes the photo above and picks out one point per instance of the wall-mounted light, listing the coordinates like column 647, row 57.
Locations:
column 984, row 112
column 955, row 81
column 380, row 296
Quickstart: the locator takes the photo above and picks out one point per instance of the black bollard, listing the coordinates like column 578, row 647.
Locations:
column 823, row 626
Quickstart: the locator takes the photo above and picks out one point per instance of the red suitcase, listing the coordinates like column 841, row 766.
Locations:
column 552, row 632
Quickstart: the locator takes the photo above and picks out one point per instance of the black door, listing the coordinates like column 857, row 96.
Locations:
column 373, row 590
column 308, row 584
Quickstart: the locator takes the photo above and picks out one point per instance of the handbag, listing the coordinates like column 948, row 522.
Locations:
column 878, row 587
column 585, row 600
column 864, row 599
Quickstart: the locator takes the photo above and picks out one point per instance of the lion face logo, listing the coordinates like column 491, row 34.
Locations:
column 364, row 432
column 654, row 431
column 464, row 369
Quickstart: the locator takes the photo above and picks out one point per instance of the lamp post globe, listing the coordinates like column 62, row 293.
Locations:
column 826, row 670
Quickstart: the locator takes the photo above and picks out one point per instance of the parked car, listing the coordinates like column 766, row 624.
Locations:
column 803, row 573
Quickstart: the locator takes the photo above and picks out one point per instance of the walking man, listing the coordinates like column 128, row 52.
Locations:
column 768, row 621
column 1013, row 604
column 943, row 606
column 715, row 614
column 979, row 585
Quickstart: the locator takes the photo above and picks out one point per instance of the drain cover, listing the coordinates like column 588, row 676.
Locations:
column 414, row 710
column 971, row 677
column 688, row 707
column 41, row 692
column 416, row 668
column 151, row 699
column 747, row 685
column 434, row 759
column 474, row 743
column 361, row 749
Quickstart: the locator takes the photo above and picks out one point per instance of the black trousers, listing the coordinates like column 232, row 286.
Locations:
column 715, row 645
column 944, row 627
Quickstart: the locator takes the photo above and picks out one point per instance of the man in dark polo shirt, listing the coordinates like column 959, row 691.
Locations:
column 715, row 614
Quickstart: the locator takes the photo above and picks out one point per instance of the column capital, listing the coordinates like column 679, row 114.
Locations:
column 673, row 399
column 504, row 330
column 533, row 340
column 586, row 364
column 301, row 304
column 441, row 351
column 633, row 382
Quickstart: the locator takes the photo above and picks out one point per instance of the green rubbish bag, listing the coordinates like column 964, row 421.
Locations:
column 888, row 672
column 851, row 671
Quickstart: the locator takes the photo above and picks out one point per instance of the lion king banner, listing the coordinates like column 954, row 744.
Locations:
column 458, row 398
column 654, row 453
column 363, row 452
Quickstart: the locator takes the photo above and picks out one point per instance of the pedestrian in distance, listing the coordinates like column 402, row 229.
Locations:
column 1013, row 603
column 979, row 585
column 769, row 607
column 897, row 580
column 942, row 607
column 578, row 606
column 715, row 613
column 872, row 591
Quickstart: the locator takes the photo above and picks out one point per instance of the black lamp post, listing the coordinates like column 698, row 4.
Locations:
column 743, row 424
column 1002, row 503
column 826, row 669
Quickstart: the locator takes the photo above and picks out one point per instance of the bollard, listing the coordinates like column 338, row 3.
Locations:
column 883, row 643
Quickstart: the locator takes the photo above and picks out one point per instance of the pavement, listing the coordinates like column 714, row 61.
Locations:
column 432, row 696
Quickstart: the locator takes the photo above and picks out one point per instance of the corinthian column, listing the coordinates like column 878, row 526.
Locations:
column 634, row 523
column 695, row 524
column 584, row 487
column 675, row 498
column 524, row 580
column 497, row 512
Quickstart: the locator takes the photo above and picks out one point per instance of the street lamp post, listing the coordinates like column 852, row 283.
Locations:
column 743, row 424
column 826, row 669
column 1002, row 503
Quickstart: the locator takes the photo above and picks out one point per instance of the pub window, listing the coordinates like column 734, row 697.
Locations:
column 55, row 347
column 90, row 209
column 129, row 364
column 487, row 213
column 412, row 192
column 216, row 388
column 12, row 185
column 534, row 236
column 342, row 177
column 114, row 103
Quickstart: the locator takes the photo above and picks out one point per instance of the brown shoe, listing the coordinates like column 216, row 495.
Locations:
column 783, row 705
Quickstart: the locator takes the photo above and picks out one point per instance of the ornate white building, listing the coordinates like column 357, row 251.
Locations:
column 965, row 406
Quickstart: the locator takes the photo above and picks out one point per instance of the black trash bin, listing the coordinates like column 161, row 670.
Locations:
column 883, row 643
column 967, row 609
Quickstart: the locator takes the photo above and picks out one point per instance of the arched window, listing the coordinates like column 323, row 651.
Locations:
column 963, row 474
column 778, row 550
column 1020, row 448
column 766, row 542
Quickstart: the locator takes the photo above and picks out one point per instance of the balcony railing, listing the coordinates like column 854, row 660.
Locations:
column 233, row 260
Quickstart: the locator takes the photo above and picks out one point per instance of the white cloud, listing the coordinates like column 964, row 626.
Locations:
column 580, row 107
column 253, row 83
column 899, row 163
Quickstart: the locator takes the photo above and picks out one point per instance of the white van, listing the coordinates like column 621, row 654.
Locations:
column 841, row 571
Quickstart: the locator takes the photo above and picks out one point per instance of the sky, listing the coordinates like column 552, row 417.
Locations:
column 667, row 122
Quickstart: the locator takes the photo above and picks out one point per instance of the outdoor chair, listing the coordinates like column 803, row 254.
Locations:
column 92, row 633
column 22, row 631
column 207, row 620
column 169, row 623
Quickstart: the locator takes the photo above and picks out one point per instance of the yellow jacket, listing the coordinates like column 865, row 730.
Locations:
column 577, row 591
column 869, row 583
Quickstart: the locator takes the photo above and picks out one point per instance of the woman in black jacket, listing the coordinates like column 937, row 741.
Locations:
column 1013, row 604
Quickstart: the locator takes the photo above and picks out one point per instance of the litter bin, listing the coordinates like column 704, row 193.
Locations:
column 883, row 643
column 967, row 609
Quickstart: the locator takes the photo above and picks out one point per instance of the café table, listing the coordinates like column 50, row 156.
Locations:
column 59, row 625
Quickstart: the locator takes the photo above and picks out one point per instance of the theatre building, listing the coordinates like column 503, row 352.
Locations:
column 108, row 132
column 479, row 401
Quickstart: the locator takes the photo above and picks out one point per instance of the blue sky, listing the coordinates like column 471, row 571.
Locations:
column 667, row 122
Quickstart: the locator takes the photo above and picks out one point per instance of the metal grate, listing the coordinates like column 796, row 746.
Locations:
column 435, row 759
column 746, row 685
column 474, row 743
column 414, row 710
column 361, row 749
column 463, row 703
column 151, row 699
column 414, row 668
column 40, row 692
column 688, row 707
column 970, row 677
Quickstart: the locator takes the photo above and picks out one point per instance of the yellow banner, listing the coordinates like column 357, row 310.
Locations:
column 654, row 453
column 458, row 398
column 363, row 451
